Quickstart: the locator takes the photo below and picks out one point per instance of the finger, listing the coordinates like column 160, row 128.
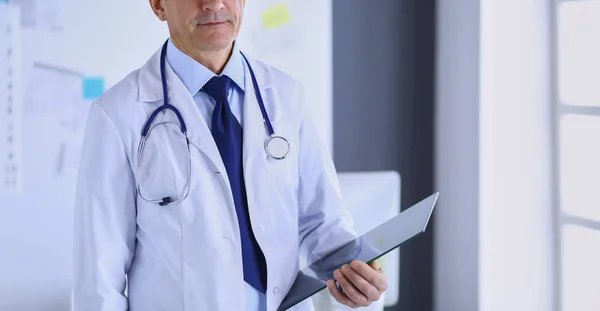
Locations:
column 369, row 290
column 372, row 276
column 350, row 290
column 376, row 266
column 339, row 296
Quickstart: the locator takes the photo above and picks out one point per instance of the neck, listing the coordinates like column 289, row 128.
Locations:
column 214, row 60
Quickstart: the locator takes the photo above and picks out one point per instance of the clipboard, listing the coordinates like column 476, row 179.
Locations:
column 367, row 247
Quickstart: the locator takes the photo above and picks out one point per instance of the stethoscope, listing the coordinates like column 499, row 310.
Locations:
column 276, row 147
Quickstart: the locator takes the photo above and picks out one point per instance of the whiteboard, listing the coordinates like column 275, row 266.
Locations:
column 118, row 37
column 79, row 40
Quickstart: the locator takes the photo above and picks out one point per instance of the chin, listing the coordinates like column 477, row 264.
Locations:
column 213, row 39
column 214, row 44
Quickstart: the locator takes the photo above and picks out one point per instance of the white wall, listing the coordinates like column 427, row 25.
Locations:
column 516, row 270
column 493, row 231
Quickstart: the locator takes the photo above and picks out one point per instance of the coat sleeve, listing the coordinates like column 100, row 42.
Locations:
column 104, row 219
column 324, row 222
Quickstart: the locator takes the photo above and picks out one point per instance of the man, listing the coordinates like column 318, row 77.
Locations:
column 233, row 221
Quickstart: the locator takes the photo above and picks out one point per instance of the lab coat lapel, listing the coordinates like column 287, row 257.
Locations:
column 255, row 132
column 197, row 130
column 257, row 177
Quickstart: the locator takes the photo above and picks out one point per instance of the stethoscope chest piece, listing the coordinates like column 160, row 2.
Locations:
column 277, row 147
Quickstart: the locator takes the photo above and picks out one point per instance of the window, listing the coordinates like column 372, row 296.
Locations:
column 577, row 124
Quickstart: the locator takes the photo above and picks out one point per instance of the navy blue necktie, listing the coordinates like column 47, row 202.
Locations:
column 227, row 132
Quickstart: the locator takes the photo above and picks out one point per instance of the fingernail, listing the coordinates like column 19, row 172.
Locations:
column 355, row 264
column 337, row 274
column 345, row 268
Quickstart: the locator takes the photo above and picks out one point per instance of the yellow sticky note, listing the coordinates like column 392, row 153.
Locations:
column 276, row 16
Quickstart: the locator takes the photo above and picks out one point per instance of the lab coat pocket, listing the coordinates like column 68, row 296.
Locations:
column 305, row 305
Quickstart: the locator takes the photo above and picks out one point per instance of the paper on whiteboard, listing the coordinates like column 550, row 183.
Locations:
column 27, row 12
column 52, row 91
column 43, row 14
column 271, row 27
column 10, row 99
column 69, row 157
column 49, row 15
column 74, row 122
column 72, row 141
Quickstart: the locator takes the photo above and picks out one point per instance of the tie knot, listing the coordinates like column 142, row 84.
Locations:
column 217, row 87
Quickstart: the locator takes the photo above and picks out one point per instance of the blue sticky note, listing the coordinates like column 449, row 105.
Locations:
column 93, row 88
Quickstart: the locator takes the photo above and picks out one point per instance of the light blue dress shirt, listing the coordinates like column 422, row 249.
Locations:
column 194, row 76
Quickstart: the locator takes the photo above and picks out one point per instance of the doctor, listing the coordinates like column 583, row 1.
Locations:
column 203, row 181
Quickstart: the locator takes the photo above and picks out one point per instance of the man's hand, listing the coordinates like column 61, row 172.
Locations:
column 362, row 284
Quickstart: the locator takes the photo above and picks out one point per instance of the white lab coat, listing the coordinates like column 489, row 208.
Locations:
column 187, row 256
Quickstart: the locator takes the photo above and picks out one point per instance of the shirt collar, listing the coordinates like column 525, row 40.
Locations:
column 195, row 75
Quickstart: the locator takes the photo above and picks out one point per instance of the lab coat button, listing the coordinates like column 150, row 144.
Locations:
column 261, row 229
column 276, row 290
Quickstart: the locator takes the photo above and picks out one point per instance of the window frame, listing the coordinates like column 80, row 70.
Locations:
column 558, row 110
